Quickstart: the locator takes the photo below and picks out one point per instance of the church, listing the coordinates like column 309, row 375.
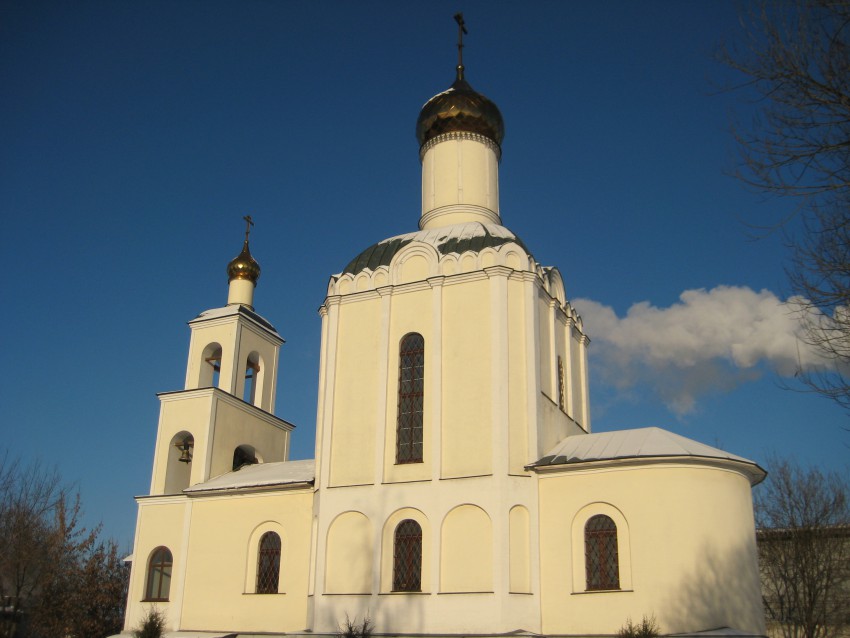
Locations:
column 457, row 487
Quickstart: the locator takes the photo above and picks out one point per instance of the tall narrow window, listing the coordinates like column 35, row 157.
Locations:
column 407, row 556
column 600, row 554
column 411, row 390
column 159, row 575
column 562, row 395
column 268, row 564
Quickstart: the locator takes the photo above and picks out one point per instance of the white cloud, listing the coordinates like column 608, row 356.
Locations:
column 710, row 340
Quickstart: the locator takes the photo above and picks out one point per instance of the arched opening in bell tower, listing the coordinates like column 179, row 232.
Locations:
column 178, row 470
column 245, row 455
column 210, row 366
column 253, row 390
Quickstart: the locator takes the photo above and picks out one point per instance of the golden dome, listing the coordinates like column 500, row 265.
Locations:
column 244, row 266
column 461, row 109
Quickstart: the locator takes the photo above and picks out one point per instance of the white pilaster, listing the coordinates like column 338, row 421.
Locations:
column 434, row 363
column 382, row 374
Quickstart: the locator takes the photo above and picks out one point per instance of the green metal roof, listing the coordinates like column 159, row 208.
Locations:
column 458, row 239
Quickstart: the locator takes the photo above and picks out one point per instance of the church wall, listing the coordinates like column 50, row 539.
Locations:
column 465, row 523
column 252, row 341
column 238, row 339
column 577, row 380
column 186, row 414
column 355, row 408
column 686, row 548
column 467, row 419
column 545, row 330
column 410, row 312
column 162, row 522
column 350, row 554
column 203, row 335
column 234, row 426
column 466, row 551
column 222, row 565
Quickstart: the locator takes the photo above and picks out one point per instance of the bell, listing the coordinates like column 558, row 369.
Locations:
column 185, row 451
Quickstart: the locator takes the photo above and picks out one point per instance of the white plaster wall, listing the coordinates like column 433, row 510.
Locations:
column 218, row 596
column 161, row 522
column 687, row 548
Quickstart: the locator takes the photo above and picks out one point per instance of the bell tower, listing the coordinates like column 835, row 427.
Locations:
column 223, row 418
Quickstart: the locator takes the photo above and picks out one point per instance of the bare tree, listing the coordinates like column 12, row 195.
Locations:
column 795, row 55
column 803, row 516
column 56, row 577
column 28, row 498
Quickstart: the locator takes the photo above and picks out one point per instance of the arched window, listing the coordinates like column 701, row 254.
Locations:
column 268, row 564
column 159, row 575
column 600, row 553
column 407, row 556
column 411, row 390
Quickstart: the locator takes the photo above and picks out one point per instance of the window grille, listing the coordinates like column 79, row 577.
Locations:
column 562, row 395
column 407, row 557
column 268, row 564
column 411, row 391
column 600, row 554
column 159, row 575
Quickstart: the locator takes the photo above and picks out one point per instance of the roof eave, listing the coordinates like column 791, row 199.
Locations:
column 752, row 471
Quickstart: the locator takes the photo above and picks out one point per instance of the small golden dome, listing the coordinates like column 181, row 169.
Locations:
column 460, row 108
column 244, row 266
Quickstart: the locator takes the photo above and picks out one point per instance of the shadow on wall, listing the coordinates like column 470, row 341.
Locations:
column 725, row 591
column 352, row 587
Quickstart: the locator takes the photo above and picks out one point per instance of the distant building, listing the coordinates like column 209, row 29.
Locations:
column 457, row 487
column 805, row 574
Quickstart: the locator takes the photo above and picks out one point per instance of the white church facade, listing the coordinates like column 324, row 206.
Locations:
column 457, row 488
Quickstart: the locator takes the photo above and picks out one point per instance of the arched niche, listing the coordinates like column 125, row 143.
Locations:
column 466, row 558
column 349, row 557
column 520, row 550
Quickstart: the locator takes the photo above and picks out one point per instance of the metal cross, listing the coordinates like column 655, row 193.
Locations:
column 461, row 29
column 248, row 223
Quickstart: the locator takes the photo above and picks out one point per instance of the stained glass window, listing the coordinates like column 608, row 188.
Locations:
column 268, row 564
column 407, row 557
column 600, row 553
column 411, row 390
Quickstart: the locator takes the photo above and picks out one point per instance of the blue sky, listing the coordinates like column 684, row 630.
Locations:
column 135, row 135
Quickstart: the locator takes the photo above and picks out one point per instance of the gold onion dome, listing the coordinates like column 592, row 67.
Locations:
column 460, row 109
column 244, row 266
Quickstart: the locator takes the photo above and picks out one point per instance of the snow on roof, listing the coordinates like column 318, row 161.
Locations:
column 260, row 475
column 236, row 309
column 457, row 238
column 638, row 443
